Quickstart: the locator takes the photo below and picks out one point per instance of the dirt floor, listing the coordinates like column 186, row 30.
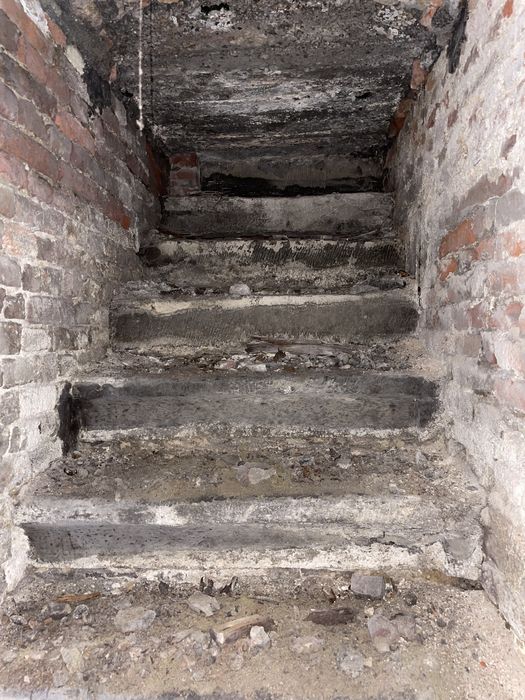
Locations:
column 118, row 636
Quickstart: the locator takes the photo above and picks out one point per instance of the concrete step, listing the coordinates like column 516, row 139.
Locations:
column 310, row 401
column 274, row 265
column 136, row 504
column 182, row 324
column 364, row 215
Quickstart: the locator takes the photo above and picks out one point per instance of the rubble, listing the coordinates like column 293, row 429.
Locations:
column 205, row 604
column 367, row 586
column 383, row 633
column 350, row 661
column 134, row 619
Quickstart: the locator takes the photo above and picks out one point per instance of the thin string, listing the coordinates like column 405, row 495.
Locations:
column 140, row 120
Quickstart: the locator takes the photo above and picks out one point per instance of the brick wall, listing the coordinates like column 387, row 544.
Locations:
column 76, row 189
column 459, row 170
column 184, row 174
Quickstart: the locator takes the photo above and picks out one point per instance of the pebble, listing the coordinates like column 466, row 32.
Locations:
column 134, row 619
column 406, row 626
column 368, row 586
column 410, row 598
column 259, row 638
column 350, row 661
column 72, row 657
column 56, row 611
column 382, row 632
column 307, row 645
column 240, row 290
column 253, row 475
column 205, row 604
column 81, row 612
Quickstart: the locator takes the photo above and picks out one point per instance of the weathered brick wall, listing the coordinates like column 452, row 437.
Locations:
column 184, row 174
column 76, row 189
column 459, row 170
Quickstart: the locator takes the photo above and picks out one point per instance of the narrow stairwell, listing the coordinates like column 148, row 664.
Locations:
column 276, row 438
column 282, row 493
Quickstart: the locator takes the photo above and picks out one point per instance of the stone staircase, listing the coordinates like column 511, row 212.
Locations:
column 318, row 448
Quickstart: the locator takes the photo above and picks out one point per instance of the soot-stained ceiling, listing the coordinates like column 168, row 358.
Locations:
column 261, row 76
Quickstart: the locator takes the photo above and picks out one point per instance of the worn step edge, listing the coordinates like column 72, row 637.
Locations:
column 162, row 306
column 311, row 549
column 396, row 513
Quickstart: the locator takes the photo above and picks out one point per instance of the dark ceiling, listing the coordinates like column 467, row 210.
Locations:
column 261, row 76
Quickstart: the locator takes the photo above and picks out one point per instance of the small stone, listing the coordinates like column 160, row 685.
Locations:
column 56, row 611
column 368, row 586
column 350, row 661
column 259, row 638
column 205, row 604
column 72, row 657
column 240, row 290
column 382, row 632
column 59, row 679
column 253, row 475
column 134, row 619
column 81, row 612
column 406, row 626
column 258, row 368
column 236, row 662
column 410, row 598
column 307, row 645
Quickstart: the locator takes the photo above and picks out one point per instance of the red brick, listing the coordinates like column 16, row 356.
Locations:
column 503, row 279
column 508, row 8
column 8, row 34
column 21, row 146
column 460, row 237
column 39, row 188
column 31, row 119
column 7, row 202
column 512, row 244
column 27, row 27
column 24, row 84
column 12, row 171
column 449, row 269
column 58, row 35
column 8, row 103
column 32, row 60
column 184, row 160
column 81, row 185
column 73, row 129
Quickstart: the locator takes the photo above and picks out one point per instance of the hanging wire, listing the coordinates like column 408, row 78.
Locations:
column 152, row 116
column 140, row 120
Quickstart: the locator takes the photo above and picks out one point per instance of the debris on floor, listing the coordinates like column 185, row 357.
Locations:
column 146, row 636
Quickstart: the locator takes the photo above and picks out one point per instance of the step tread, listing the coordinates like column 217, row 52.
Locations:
column 201, row 468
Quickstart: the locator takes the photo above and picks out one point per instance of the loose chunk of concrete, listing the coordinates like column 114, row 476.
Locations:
column 134, row 619
column 205, row 604
column 368, row 586
column 382, row 632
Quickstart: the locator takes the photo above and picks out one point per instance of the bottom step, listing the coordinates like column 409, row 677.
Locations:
column 445, row 643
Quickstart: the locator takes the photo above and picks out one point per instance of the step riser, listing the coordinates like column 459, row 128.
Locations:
column 234, row 550
column 265, row 265
column 366, row 215
column 338, row 403
column 231, row 323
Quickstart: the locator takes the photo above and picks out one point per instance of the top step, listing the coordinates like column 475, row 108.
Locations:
column 360, row 215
